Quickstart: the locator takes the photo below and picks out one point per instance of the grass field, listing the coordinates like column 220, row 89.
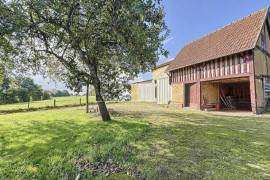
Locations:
column 143, row 140
column 60, row 101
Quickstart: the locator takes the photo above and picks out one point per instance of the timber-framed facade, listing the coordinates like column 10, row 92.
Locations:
column 228, row 69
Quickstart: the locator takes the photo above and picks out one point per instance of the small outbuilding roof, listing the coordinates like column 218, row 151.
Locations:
column 162, row 65
column 142, row 82
column 237, row 37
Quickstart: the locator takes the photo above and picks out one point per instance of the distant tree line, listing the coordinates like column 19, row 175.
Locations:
column 23, row 89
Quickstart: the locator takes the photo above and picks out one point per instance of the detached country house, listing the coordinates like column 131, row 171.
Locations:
column 228, row 69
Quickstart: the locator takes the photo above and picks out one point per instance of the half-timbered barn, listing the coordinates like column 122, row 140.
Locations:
column 228, row 69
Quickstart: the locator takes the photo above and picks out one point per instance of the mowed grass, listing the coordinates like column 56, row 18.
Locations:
column 60, row 101
column 154, row 141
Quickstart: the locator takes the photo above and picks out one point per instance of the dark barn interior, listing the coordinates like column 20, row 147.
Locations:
column 226, row 95
column 235, row 96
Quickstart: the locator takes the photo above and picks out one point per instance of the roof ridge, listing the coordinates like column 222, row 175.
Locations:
column 233, row 22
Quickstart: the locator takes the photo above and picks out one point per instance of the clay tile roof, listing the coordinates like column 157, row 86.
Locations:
column 237, row 37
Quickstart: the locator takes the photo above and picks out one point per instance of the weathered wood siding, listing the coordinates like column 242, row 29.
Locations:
column 261, row 68
column 163, row 91
column 192, row 95
column 234, row 66
column 163, row 87
column 147, row 92
column 143, row 91
column 228, row 67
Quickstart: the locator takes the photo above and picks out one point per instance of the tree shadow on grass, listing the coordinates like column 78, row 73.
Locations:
column 196, row 146
column 186, row 145
column 177, row 145
column 49, row 150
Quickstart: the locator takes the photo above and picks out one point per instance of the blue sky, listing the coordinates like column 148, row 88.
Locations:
column 188, row 20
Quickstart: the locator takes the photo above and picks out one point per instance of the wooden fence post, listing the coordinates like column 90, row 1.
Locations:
column 54, row 103
column 87, row 98
column 28, row 106
column 80, row 101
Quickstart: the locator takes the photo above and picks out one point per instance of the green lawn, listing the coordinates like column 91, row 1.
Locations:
column 60, row 101
column 143, row 139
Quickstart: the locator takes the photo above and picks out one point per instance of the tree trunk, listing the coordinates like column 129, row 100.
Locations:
column 105, row 115
column 87, row 98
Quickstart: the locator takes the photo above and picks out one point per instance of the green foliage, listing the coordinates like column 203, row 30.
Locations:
column 104, row 43
column 46, row 95
column 28, row 89
column 21, row 89
column 60, row 93
column 13, row 26
column 2, row 74
column 9, row 96
column 7, row 92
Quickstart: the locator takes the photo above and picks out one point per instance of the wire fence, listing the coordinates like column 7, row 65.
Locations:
column 46, row 104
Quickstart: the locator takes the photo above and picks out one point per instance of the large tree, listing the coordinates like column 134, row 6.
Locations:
column 13, row 28
column 97, row 40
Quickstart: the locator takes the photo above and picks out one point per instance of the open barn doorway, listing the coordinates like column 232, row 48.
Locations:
column 235, row 96
column 226, row 95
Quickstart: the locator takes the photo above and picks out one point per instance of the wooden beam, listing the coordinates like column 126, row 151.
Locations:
column 237, row 65
column 218, row 67
column 231, row 64
column 185, row 74
column 241, row 64
column 227, row 77
column 212, row 68
column 262, row 50
column 252, row 83
column 221, row 67
column 178, row 75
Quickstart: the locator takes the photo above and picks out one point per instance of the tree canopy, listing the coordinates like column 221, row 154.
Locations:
column 19, row 89
column 101, row 42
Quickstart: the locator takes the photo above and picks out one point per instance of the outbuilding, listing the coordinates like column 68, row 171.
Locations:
column 228, row 69
column 157, row 89
column 143, row 91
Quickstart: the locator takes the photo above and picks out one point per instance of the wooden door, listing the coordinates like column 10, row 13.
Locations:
column 187, row 95
column 191, row 95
